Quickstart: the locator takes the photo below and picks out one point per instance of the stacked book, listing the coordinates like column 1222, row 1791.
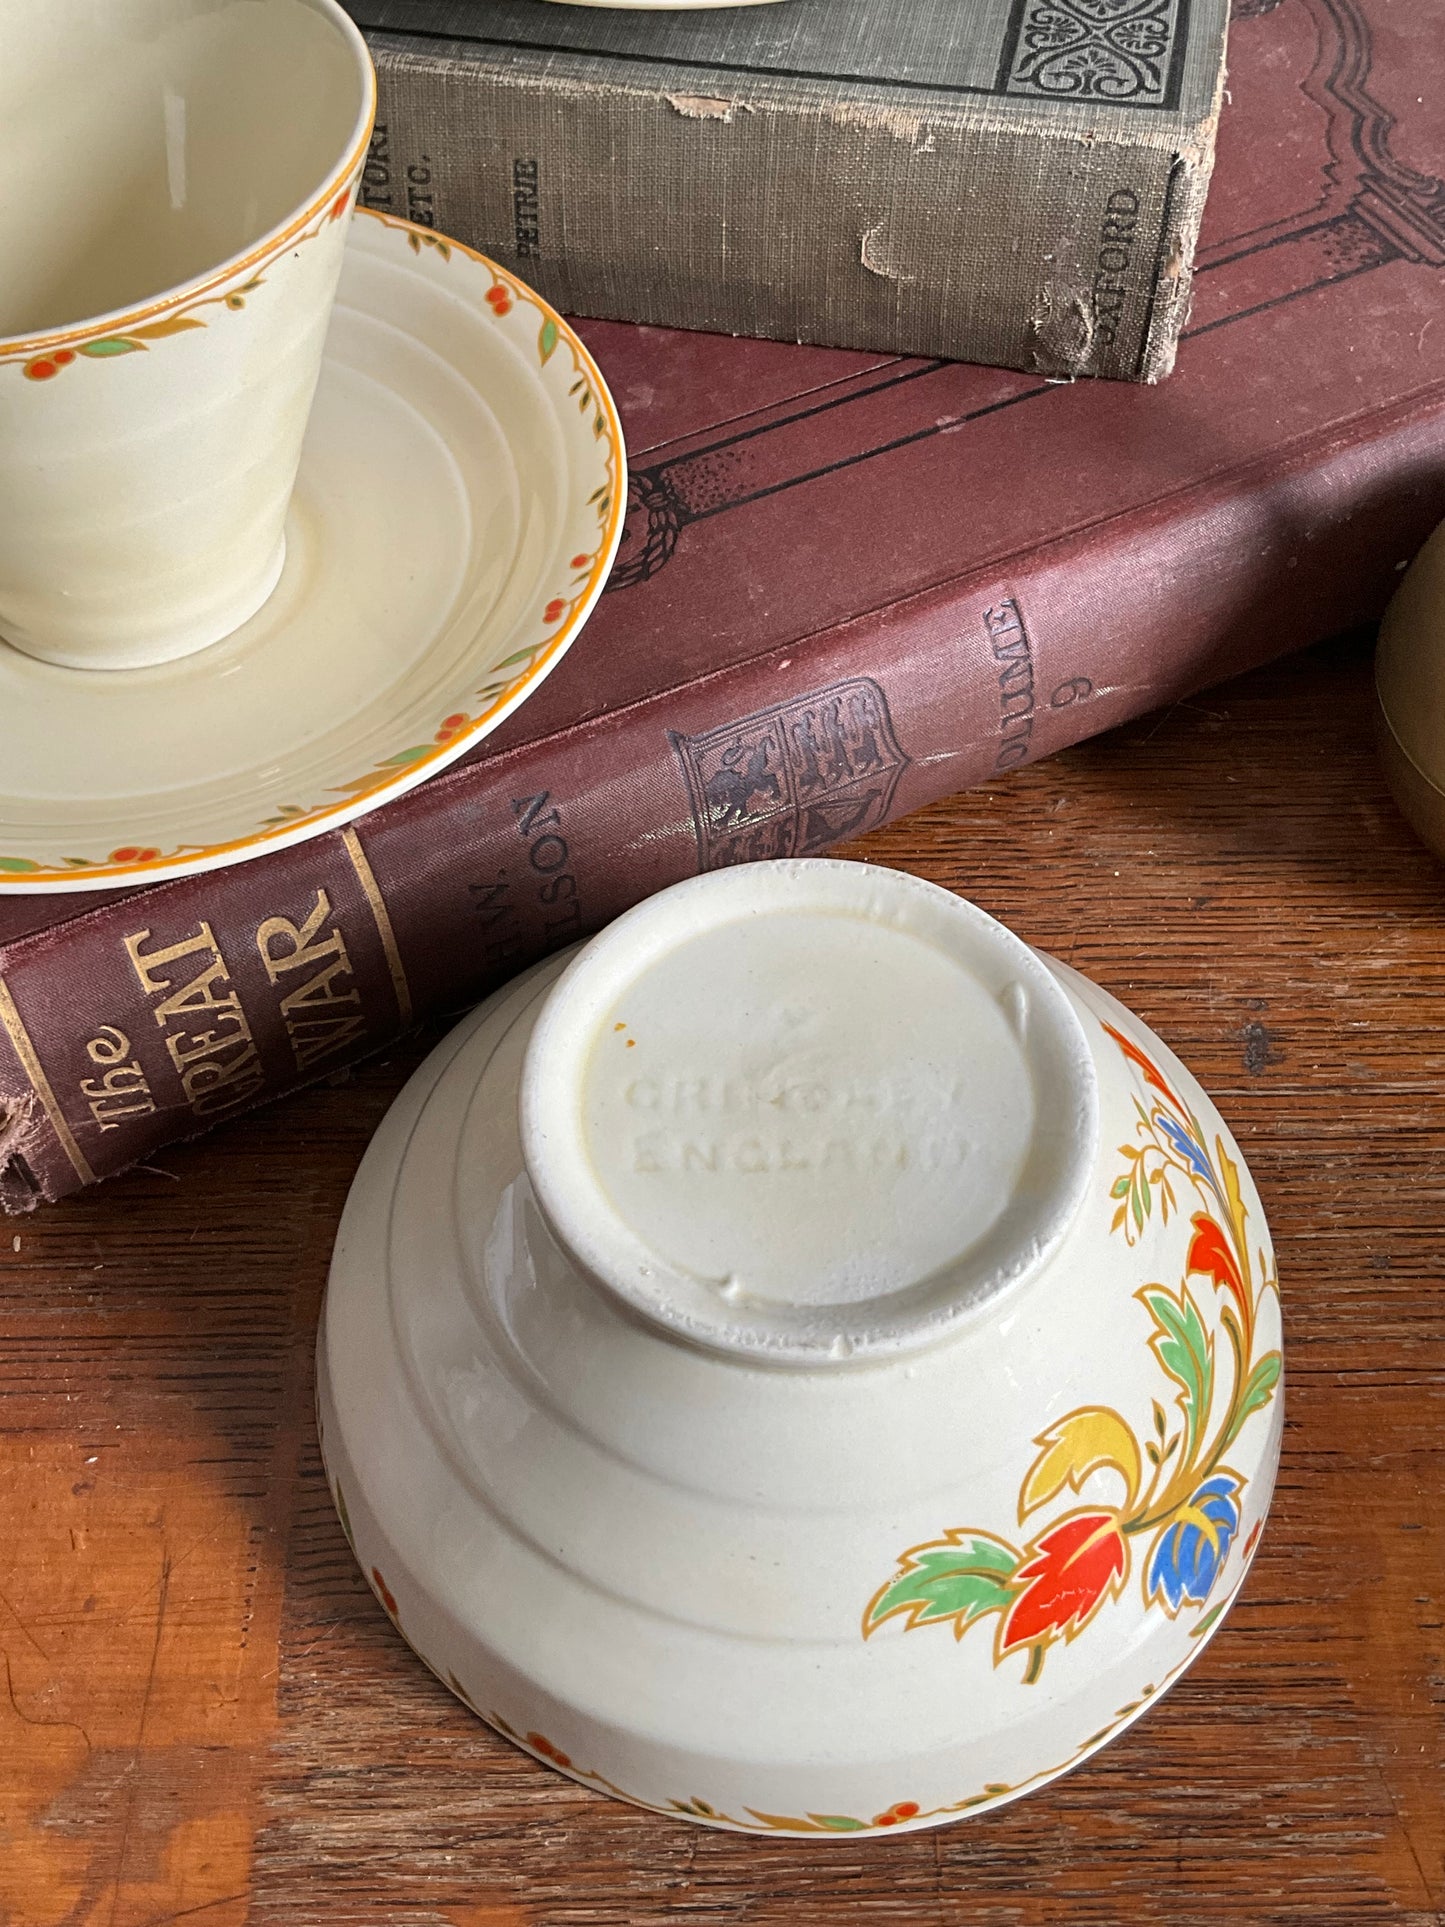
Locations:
column 853, row 579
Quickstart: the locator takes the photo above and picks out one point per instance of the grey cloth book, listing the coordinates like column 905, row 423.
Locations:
column 1010, row 181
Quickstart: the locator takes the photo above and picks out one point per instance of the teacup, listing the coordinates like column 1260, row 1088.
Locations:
column 179, row 175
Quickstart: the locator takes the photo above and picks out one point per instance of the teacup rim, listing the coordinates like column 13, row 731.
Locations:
column 265, row 247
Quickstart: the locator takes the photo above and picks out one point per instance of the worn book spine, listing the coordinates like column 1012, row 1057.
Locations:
column 1049, row 233
column 141, row 1019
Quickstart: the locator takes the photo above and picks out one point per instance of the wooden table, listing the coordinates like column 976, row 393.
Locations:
column 207, row 1718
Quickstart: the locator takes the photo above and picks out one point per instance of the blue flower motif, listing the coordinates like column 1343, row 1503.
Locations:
column 1192, row 1155
column 1189, row 1553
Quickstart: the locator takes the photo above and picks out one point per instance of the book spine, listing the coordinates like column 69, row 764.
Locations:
column 146, row 1018
column 989, row 234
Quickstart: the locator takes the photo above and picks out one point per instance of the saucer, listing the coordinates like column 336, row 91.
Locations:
column 806, row 1363
column 458, row 505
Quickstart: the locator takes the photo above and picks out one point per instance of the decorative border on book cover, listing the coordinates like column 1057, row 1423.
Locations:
column 1358, row 207
column 793, row 779
column 1126, row 53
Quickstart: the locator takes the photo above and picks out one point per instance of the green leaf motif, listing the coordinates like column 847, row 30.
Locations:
column 411, row 755
column 1185, row 1350
column 1210, row 1618
column 112, row 345
column 17, row 865
column 961, row 1577
column 1258, row 1391
column 813, row 1823
column 547, row 339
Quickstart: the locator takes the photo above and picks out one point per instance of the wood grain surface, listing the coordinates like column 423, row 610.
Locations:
column 206, row 1717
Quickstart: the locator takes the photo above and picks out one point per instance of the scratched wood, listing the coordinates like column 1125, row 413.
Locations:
column 207, row 1718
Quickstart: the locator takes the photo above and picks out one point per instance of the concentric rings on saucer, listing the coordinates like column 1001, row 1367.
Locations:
column 460, row 500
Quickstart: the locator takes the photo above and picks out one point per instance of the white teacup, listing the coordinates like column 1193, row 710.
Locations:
column 178, row 175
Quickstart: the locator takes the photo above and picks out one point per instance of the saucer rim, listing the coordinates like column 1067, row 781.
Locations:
column 49, row 879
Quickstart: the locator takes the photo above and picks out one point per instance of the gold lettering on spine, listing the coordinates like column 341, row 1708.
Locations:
column 146, row 966
column 379, row 911
column 35, row 1071
column 191, row 1045
column 212, row 1080
column 298, row 942
column 212, row 1088
column 123, row 1091
column 198, row 998
column 319, row 1018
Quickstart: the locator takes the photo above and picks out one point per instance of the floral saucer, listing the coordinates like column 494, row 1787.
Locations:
column 459, row 503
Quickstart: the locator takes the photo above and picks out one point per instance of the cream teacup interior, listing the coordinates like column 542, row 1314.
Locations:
column 144, row 143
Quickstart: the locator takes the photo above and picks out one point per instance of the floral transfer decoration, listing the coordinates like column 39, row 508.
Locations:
column 139, row 337
column 509, row 679
column 1179, row 1514
column 901, row 1813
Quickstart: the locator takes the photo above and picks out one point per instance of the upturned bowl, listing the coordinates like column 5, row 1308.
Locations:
column 805, row 1362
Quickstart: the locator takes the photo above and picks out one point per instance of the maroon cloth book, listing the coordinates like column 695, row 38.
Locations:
column 850, row 584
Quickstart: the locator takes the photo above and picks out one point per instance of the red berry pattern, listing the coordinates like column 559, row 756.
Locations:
column 900, row 1810
column 44, row 366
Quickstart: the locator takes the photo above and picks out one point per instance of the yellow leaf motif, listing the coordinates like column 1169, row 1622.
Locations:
column 1073, row 1448
column 1237, row 1210
column 159, row 330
